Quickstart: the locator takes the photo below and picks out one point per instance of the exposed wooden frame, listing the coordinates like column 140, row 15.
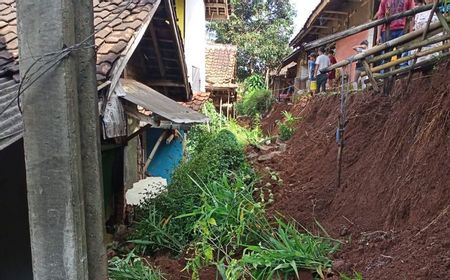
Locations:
column 159, row 60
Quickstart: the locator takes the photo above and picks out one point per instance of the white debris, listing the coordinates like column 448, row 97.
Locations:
column 147, row 188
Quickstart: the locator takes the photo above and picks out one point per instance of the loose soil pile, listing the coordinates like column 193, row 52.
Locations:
column 392, row 209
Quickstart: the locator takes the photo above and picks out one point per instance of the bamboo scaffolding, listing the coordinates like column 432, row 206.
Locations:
column 346, row 33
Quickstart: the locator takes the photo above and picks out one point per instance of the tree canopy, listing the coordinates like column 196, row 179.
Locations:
column 260, row 29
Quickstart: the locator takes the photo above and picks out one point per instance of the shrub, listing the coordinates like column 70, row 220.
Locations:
column 229, row 218
column 132, row 267
column 286, row 128
column 157, row 227
column 255, row 103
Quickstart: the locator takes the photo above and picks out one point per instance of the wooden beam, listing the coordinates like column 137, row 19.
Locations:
column 336, row 13
column 165, row 84
column 177, row 37
column 162, row 70
column 370, row 75
column 320, row 27
column 331, row 19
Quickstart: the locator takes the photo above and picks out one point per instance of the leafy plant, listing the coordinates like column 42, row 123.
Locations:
column 230, row 218
column 132, row 267
column 157, row 227
column 284, row 251
column 286, row 128
column 227, row 212
column 199, row 135
column 356, row 276
column 255, row 103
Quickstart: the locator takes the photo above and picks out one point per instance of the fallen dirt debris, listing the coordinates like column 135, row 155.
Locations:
column 391, row 211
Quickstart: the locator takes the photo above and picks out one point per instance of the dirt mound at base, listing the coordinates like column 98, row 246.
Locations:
column 392, row 207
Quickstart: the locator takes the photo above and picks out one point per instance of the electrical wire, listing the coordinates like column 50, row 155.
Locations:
column 53, row 56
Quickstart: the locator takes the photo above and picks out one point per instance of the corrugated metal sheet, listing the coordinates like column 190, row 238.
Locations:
column 157, row 103
column 11, row 126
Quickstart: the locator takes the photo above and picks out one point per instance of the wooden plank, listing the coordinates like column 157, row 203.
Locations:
column 164, row 83
column 177, row 37
column 370, row 75
column 159, row 60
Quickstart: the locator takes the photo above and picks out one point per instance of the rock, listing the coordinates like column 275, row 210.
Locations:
column 252, row 155
column 282, row 147
column 268, row 156
column 340, row 266
column 343, row 231
column 265, row 148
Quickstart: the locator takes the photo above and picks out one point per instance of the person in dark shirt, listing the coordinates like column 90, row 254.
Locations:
column 332, row 73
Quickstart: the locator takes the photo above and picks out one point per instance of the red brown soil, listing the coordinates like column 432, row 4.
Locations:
column 269, row 123
column 173, row 268
column 392, row 209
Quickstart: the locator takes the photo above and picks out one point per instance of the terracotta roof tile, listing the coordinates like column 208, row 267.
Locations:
column 198, row 100
column 220, row 64
column 111, row 39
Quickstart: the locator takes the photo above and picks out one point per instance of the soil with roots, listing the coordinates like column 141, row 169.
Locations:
column 392, row 207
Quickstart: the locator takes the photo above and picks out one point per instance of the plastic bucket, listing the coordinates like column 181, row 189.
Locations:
column 313, row 85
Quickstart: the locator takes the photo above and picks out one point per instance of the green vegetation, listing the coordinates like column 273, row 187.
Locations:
column 213, row 213
column 200, row 134
column 230, row 220
column 286, row 127
column 157, row 227
column 132, row 267
column 256, row 100
column 356, row 276
column 261, row 31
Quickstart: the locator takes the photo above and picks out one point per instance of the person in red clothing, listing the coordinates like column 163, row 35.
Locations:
column 332, row 73
column 397, row 27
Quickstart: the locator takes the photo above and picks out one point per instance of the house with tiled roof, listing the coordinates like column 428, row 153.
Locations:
column 142, row 76
column 221, row 76
column 329, row 17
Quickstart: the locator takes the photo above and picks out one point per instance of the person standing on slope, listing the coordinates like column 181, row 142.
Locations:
column 322, row 62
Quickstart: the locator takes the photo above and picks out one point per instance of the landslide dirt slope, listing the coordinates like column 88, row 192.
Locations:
column 392, row 208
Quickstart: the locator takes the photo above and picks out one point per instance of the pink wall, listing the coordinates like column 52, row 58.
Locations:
column 344, row 47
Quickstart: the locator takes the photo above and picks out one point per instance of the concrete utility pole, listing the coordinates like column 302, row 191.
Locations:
column 62, row 170
column 90, row 143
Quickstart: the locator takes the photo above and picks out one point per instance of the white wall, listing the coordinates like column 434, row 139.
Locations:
column 195, row 38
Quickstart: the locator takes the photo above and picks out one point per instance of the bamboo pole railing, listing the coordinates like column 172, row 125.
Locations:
column 379, row 48
column 409, row 57
column 363, row 27
column 406, row 69
column 412, row 46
